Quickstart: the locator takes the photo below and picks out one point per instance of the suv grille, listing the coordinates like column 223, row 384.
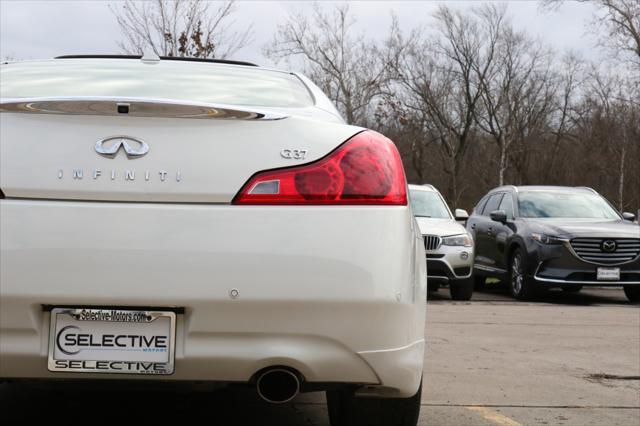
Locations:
column 431, row 242
column 608, row 251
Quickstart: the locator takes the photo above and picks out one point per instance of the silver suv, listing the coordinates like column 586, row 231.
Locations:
column 448, row 245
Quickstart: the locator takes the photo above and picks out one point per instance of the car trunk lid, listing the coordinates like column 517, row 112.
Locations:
column 51, row 151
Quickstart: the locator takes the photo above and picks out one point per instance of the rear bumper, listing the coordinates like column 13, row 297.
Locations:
column 318, row 290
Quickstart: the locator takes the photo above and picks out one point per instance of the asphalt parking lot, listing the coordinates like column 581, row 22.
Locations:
column 568, row 359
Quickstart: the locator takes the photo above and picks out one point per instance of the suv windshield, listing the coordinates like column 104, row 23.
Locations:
column 541, row 204
column 175, row 80
column 428, row 204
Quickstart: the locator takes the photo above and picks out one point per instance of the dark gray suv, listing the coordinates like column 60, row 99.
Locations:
column 537, row 237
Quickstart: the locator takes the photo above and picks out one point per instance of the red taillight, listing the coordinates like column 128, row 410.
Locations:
column 366, row 169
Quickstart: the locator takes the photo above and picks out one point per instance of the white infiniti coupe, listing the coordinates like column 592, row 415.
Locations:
column 185, row 220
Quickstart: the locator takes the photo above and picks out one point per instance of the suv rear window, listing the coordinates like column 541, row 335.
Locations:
column 182, row 81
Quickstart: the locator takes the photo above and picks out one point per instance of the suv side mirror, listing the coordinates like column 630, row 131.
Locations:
column 498, row 216
column 629, row 216
column 461, row 215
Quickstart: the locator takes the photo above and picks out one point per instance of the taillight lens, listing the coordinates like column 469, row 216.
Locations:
column 366, row 169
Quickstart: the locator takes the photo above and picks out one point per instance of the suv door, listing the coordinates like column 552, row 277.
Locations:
column 501, row 232
column 483, row 232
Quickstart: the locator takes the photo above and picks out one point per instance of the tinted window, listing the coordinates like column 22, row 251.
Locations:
column 564, row 204
column 184, row 81
column 492, row 204
column 507, row 205
column 428, row 204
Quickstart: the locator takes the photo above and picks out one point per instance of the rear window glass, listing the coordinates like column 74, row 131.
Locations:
column 183, row 81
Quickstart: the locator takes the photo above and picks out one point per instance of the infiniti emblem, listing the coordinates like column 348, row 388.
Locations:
column 608, row 246
column 110, row 146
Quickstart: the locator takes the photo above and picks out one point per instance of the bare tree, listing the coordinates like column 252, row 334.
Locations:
column 619, row 20
column 194, row 28
column 615, row 119
column 515, row 93
column 438, row 77
column 345, row 65
column 562, row 120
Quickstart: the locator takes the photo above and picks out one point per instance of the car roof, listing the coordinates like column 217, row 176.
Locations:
column 547, row 188
column 424, row 187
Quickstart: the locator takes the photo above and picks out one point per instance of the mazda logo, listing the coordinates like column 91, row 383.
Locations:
column 608, row 246
column 109, row 147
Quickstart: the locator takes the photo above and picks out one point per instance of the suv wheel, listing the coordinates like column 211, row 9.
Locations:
column 521, row 286
column 461, row 289
column 345, row 409
column 633, row 293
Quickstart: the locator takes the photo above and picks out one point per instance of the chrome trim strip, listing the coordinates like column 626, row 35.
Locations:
column 458, row 277
column 553, row 280
column 437, row 277
column 550, row 280
column 145, row 107
column 490, row 269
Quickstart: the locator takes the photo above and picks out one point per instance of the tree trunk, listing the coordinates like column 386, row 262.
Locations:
column 454, row 185
column 503, row 162
column 623, row 154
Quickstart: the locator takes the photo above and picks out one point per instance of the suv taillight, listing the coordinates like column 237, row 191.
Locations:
column 366, row 169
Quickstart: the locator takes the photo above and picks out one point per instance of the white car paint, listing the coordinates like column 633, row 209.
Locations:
column 307, row 287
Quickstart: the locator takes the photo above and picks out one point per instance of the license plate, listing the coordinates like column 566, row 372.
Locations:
column 112, row 341
column 608, row 274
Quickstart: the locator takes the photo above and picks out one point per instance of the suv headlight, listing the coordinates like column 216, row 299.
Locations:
column 462, row 240
column 546, row 239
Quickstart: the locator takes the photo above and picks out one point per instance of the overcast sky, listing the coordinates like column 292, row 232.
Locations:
column 44, row 29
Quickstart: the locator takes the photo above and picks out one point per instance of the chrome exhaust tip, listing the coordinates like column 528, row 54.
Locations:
column 278, row 385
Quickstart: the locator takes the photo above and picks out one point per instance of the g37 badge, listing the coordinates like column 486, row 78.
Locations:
column 294, row 154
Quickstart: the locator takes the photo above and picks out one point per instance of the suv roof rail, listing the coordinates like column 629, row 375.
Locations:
column 503, row 187
column 587, row 188
column 164, row 58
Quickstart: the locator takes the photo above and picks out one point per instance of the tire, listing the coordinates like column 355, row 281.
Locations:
column 345, row 409
column 572, row 288
column 461, row 289
column 432, row 286
column 521, row 286
column 633, row 293
column 479, row 282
